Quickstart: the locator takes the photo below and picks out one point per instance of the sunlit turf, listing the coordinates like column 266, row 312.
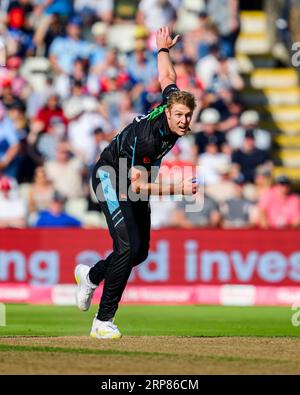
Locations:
column 29, row 320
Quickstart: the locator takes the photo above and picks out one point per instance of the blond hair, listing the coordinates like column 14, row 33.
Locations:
column 182, row 97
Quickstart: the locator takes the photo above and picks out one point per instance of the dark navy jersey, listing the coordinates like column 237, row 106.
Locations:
column 143, row 142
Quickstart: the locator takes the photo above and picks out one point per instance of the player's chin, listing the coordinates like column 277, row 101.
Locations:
column 181, row 132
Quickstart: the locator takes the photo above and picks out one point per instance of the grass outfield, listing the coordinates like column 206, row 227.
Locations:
column 28, row 320
column 156, row 340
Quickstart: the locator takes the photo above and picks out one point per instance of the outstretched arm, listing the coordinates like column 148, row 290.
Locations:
column 140, row 185
column 166, row 71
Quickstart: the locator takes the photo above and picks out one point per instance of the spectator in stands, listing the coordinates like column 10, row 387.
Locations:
column 110, row 61
column 162, row 208
column 65, row 82
column 19, row 35
column 205, row 213
column 249, row 121
column 186, row 76
column 127, row 112
column 19, row 86
column 236, row 212
column 65, row 171
column 249, row 157
column 262, row 183
column 102, row 10
column 7, row 96
column 113, row 84
column 211, row 160
column 216, row 69
column 50, row 16
column 81, row 129
column 26, row 163
column 50, row 27
column 40, row 192
column 225, row 15
column 226, row 77
column 279, row 207
column 156, row 13
column 52, row 111
column 37, row 99
column 12, row 207
column 72, row 106
column 202, row 37
column 9, row 146
column 55, row 217
column 16, row 112
column 99, row 51
column 64, row 50
column 209, row 128
column 141, row 64
column 100, row 143
column 224, row 189
column 42, row 145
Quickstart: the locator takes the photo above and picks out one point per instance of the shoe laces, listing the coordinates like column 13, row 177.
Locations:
column 112, row 325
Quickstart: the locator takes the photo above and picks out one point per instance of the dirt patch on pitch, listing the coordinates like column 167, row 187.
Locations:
column 149, row 355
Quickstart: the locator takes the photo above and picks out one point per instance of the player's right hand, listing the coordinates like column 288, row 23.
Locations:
column 188, row 186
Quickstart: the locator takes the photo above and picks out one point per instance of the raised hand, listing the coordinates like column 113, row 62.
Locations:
column 164, row 39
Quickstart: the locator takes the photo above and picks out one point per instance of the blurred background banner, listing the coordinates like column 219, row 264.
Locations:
column 189, row 257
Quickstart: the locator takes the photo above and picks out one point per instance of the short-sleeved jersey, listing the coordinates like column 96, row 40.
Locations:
column 144, row 141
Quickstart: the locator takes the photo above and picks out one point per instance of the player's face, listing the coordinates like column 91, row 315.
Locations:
column 179, row 118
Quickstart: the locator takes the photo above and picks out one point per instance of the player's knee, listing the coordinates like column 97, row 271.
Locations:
column 143, row 254
column 134, row 254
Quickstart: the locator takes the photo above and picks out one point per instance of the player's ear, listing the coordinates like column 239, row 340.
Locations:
column 168, row 113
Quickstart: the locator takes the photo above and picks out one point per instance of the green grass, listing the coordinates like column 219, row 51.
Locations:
column 26, row 320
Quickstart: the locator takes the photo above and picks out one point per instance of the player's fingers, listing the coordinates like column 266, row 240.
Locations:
column 189, row 179
column 175, row 39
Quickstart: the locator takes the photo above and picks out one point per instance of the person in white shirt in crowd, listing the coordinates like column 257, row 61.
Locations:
column 156, row 13
column 224, row 189
column 65, row 172
column 249, row 121
column 206, row 215
column 217, row 65
column 81, row 129
column 12, row 207
column 206, row 128
column 210, row 161
column 162, row 208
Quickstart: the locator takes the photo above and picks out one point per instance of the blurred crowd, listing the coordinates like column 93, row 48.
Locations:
column 72, row 79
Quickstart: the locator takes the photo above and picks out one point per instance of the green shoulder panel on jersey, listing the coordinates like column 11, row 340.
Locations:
column 156, row 112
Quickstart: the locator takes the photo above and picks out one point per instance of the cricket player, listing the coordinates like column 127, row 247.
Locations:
column 141, row 145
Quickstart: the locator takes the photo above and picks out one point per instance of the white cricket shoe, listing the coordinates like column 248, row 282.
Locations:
column 105, row 330
column 85, row 288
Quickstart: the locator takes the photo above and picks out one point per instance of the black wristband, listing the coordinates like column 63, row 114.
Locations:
column 163, row 50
